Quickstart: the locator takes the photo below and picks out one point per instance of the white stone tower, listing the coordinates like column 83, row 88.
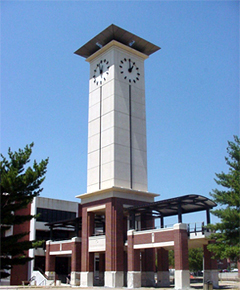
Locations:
column 117, row 152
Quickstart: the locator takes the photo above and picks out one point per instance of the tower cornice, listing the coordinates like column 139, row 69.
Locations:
column 114, row 32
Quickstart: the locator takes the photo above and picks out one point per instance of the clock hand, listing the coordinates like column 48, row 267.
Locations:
column 130, row 66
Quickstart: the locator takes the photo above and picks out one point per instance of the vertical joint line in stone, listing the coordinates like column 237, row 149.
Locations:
column 100, row 137
column 130, row 133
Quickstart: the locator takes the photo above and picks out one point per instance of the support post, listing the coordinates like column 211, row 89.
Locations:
column 162, row 268
column 76, row 261
column 210, row 268
column 87, row 261
column 49, row 262
column 148, row 268
column 182, row 279
column 114, row 274
column 133, row 274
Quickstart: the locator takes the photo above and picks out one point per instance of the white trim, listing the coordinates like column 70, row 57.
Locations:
column 49, row 242
column 55, row 253
column 96, row 208
column 154, row 245
column 180, row 226
column 118, row 44
column 145, row 232
column 119, row 192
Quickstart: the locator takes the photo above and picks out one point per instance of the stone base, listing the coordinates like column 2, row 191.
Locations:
column 86, row 279
column 75, row 279
column 50, row 274
column 182, row 279
column 148, row 279
column 163, row 278
column 211, row 275
column 134, row 279
column 113, row 279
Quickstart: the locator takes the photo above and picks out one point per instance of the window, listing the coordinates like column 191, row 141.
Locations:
column 53, row 215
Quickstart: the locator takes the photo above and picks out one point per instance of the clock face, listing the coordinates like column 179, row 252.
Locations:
column 129, row 70
column 100, row 72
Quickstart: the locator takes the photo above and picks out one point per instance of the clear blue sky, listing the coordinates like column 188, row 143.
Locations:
column 192, row 87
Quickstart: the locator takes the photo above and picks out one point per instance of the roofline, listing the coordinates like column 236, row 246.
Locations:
column 113, row 32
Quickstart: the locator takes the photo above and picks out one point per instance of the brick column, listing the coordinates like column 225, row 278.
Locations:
column 76, row 261
column 114, row 244
column 87, row 259
column 182, row 279
column 162, row 268
column 134, row 273
column 210, row 268
column 49, row 262
column 148, row 268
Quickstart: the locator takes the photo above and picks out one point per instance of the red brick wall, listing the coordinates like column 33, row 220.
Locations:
column 76, row 257
column 87, row 259
column 19, row 273
column 209, row 263
column 133, row 255
column 181, row 250
column 49, row 260
column 162, row 257
column 114, row 235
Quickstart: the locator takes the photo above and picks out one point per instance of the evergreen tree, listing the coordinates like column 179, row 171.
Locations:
column 19, row 185
column 226, row 233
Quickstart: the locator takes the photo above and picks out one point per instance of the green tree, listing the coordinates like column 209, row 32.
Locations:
column 226, row 233
column 171, row 260
column 19, row 185
column 195, row 259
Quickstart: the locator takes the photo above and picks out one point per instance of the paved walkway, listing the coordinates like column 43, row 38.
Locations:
column 222, row 285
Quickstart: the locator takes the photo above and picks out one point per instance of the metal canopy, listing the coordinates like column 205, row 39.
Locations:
column 175, row 206
column 114, row 32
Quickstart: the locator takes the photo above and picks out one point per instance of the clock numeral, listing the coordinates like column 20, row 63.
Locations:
column 138, row 74
column 121, row 72
column 125, row 59
column 120, row 66
column 137, row 79
column 129, row 81
column 137, row 68
column 134, row 81
column 125, row 77
column 121, row 61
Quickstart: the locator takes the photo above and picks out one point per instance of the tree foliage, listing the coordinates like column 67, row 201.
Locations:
column 226, row 233
column 19, row 185
column 195, row 259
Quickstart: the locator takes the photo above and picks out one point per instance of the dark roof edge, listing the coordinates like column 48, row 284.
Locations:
column 113, row 32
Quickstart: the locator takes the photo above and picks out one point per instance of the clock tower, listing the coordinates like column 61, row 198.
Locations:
column 117, row 151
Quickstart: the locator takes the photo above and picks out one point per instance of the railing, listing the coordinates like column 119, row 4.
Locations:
column 196, row 228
